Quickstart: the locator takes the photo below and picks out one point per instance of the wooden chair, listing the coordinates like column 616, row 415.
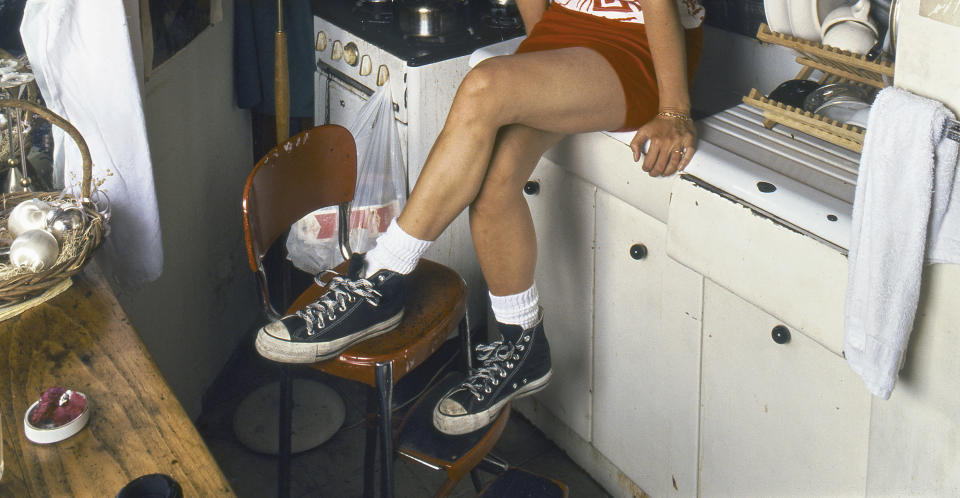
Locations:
column 316, row 169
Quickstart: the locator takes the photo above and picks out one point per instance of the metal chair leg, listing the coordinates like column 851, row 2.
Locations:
column 465, row 346
column 284, row 433
column 493, row 464
column 384, row 375
column 370, row 450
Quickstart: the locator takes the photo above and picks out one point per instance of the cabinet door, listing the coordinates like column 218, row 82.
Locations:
column 646, row 352
column 563, row 211
column 786, row 419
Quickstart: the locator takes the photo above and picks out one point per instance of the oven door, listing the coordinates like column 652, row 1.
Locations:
column 339, row 100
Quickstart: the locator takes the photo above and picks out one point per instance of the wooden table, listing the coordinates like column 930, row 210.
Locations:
column 83, row 340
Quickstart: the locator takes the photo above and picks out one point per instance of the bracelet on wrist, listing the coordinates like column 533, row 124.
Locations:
column 674, row 115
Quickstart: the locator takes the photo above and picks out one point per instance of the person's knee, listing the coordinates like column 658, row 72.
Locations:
column 479, row 92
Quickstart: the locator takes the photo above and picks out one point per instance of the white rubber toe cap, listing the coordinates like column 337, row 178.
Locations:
column 451, row 408
column 278, row 330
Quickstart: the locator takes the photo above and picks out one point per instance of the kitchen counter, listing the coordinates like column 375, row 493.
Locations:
column 714, row 325
column 83, row 340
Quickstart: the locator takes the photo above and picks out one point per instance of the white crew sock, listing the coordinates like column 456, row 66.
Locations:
column 521, row 309
column 396, row 250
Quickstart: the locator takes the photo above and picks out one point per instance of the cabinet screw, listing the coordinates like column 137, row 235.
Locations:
column 780, row 334
column 531, row 188
column 638, row 251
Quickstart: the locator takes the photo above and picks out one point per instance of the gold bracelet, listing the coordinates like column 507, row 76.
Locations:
column 674, row 115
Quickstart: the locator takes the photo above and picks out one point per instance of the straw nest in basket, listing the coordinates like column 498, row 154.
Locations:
column 18, row 284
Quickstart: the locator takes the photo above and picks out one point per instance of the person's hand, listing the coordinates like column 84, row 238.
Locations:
column 673, row 140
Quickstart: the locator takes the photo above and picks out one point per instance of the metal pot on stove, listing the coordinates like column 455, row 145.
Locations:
column 429, row 18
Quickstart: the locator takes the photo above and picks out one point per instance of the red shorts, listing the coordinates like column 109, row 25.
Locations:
column 623, row 44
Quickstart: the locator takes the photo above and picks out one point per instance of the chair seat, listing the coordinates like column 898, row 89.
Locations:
column 431, row 313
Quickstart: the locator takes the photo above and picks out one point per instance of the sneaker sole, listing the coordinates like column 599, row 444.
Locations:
column 282, row 351
column 465, row 424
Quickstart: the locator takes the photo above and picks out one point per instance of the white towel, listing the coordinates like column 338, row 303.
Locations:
column 82, row 55
column 905, row 209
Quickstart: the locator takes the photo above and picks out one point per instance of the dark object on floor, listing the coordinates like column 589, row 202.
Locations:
column 518, row 483
column 152, row 486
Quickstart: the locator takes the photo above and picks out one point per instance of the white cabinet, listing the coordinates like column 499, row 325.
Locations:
column 646, row 344
column 786, row 419
column 915, row 435
column 563, row 210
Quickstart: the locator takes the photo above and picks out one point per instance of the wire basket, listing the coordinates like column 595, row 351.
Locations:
column 18, row 285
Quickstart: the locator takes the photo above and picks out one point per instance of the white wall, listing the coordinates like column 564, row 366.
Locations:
column 194, row 315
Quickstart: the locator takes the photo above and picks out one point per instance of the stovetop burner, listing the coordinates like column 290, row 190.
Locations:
column 374, row 12
column 502, row 18
column 375, row 22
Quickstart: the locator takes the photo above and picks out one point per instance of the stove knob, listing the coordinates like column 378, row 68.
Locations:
column 337, row 51
column 366, row 65
column 321, row 41
column 383, row 75
column 351, row 54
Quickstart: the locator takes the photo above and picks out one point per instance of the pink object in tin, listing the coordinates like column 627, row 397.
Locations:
column 57, row 415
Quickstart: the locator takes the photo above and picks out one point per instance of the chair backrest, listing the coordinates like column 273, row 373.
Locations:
column 311, row 170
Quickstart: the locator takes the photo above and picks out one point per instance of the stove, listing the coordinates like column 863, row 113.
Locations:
column 376, row 23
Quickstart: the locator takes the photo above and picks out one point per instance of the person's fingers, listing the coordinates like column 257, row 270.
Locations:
column 636, row 145
column 676, row 155
column 652, row 156
column 691, row 149
column 662, row 161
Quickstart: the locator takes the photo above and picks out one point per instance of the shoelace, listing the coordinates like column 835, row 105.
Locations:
column 340, row 292
column 496, row 361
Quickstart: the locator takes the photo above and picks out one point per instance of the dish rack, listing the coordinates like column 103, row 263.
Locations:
column 836, row 66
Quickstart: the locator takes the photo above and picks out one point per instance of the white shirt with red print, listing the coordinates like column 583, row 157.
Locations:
column 691, row 12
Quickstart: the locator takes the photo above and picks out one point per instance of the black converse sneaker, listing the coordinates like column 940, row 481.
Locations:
column 351, row 310
column 515, row 366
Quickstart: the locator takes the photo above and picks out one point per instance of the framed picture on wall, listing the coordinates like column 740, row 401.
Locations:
column 168, row 26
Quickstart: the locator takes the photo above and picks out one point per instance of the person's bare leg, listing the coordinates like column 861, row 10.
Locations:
column 500, row 221
column 563, row 91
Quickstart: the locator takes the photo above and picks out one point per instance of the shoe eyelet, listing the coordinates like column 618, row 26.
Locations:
column 503, row 374
column 526, row 338
column 479, row 398
column 487, row 390
column 496, row 382
column 509, row 364
column 516, row 357
column 514, row 385
column 521, row 347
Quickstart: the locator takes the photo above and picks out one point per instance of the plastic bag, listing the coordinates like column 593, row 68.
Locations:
column 380, row 194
